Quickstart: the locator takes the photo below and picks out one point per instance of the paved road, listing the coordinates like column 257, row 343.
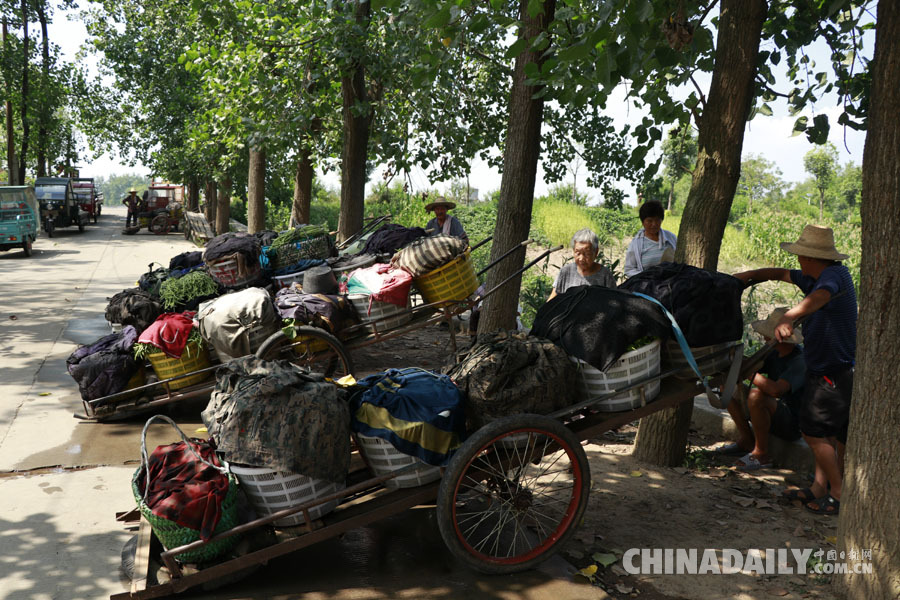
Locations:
column 62, row 480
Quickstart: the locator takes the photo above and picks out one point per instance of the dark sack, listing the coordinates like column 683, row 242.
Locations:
column 331, row 313
column 389, row 238
column 507, row 373
column 133, row 307
column 706, row 304
column 276, row 415
column 186, row 260
column 151, row 281
column 104, row 367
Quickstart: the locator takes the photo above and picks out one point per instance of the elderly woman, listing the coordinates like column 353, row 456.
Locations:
column 584, row 270
column 648, row 246
column 443, row 223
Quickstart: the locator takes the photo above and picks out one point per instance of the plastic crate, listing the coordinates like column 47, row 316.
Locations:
column 225, row 271
column 383, row 315
column 286, row 281
column 270, row 491
column 673, row 358
column 384, row 459
column 452, row 282
column 631, row 366
column 193, row 359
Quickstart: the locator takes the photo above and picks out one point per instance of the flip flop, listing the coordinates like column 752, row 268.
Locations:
column 748, row 462
column 802, row 494
column 730, row 449
column 826, row 505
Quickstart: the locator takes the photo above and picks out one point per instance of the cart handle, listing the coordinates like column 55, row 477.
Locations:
column 520, row 271
column 504, row 255
column 481, row 243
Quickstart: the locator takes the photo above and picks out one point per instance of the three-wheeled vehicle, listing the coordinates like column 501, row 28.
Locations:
column 86, row 194
column 165, row 209
column 19, row 218
column 59, row 207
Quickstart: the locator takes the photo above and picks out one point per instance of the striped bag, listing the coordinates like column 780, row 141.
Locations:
column 428, row 253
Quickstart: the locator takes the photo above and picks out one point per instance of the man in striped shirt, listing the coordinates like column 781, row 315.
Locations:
column 830, row 354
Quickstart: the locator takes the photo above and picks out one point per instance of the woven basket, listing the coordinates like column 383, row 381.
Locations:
column 382, row 315
column 673, row 358
column 384, row 459
column 193, row 359
column 173, row 535
column 631, row 366
column 452, row 282
column 270, row 491
column 304, row 344
column 225, row 271
column 137, row 380
column 289, row 254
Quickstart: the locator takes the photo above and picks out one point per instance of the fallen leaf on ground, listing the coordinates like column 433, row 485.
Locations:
column 45, row 393
column 799, row 531
column 778, row 592
column 13, row 318
column 201, row 430
column 717, row 473
column 588, row 571
column 763, row 504
column 745, row 502
column 831, row 539
column 635, row 474
column 577, row 555
column 623, row 589
column 604, row 558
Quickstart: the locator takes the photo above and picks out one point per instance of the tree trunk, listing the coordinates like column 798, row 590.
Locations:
column 43, row 117
column 211, row 200
column 223, row 210
column 662, row 437
column 256, row 191
column 520, row 158
column 193, row 199
column 356, row 134
column 11, row 167
column 23, row 156
column 869, row 520
column 303, row 176
column 821, row 204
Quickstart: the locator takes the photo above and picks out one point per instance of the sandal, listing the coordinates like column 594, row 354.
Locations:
column 804, row 495
column 730, row 449
column 748, row 462
column 826, row 505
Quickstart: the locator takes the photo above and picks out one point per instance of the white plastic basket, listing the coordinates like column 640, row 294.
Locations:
column 385, row 459
column 285, row 281
column 382, row 315
column 673, row 358
column 270, row 491
column 630, row 367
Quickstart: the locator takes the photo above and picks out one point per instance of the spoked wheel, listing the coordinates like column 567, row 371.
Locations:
column 160, row 224
column 513, row 493
column 312, row 348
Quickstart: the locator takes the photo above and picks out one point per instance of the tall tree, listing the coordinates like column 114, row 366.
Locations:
column 23, row 155
column 822, row 163
column 522, row 149
column 679, row 152
column 256, row 191
column 223, row 210
column 760, row 179
column 43, row 108
column 11, row 166
column 867, row 521
column 662, row 436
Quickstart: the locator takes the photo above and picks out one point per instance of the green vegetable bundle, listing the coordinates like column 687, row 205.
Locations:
column 195, row 284
column 142, row 349
column 299, row 234
column 640, row 343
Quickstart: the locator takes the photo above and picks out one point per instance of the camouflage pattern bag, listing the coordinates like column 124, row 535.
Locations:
column 509, row 372
column 273, row 414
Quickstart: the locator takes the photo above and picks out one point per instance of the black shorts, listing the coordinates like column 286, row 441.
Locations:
column 825, row 406
column 785, row 423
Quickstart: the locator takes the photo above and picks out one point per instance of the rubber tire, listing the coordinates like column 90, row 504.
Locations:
column 187, row 230
column 48, row 227
column 80, row 225
column 160, row 225
column 26, row 247
column 456, row 474
column 96, row 217
column 276, row 343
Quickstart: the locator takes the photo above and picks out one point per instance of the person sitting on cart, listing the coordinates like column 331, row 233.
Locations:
column 444, row 223
column 772, row 405
column 830, row 354
column 584, row 270
column 134, row 207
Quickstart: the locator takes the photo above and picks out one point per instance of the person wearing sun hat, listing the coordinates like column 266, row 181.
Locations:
column 132, row 202
column 443, row 223
column 772, row 404
column 830, row 353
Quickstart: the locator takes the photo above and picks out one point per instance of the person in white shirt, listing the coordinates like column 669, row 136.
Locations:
column 648, row 246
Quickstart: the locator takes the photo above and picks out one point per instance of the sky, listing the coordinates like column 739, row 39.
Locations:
column 769, row 137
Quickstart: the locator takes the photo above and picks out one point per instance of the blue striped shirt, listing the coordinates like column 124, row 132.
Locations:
column 829, row 334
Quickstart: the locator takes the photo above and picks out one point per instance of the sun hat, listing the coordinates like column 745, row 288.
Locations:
column 815, row 242
column 441, row 201
column 132, row 191
column 766, row 327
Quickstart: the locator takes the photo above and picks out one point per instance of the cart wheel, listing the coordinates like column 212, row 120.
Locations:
column 80, row 225
column 513, row 494
column 312, row 348
column 48, row 227
column 26, row 247
column 126, row 568
column 96, row 217
column 186, row 228
column 160, row 224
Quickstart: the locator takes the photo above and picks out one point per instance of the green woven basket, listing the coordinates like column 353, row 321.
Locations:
column 172, row 535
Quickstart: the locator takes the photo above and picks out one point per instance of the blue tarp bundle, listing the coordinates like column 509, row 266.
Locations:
column 418, row 412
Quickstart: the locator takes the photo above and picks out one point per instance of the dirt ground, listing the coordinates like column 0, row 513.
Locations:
column 703, row 504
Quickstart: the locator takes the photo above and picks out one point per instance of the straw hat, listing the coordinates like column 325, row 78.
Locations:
column 766, row 327
column 441, row 201
column 815, row 242
column 132, row 191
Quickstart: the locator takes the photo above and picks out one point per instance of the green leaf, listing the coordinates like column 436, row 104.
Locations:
column 765, row 109
column 517, row 47
column 438, row 19
column 604, row 558
column 799, row 126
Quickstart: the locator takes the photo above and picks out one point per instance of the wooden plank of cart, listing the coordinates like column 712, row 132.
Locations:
column 510, row 496
column 310, row 347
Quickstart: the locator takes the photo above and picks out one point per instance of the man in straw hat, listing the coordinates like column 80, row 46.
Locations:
column 442, row 223
column 132, row 202
column 830, row 354
column 773, row 404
